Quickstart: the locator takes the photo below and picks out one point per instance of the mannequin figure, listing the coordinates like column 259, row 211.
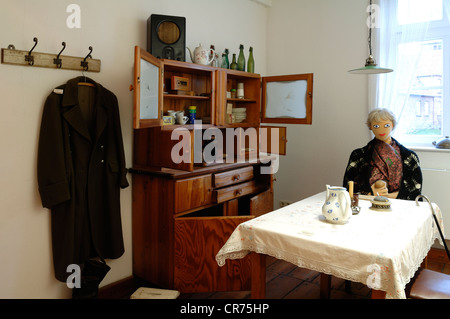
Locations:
column 384, row 167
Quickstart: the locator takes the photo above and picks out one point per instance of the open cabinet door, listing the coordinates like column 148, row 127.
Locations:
column 273, row 139
column 147, row 90
column 262, row 203
column 287, row 99
column 197, row 241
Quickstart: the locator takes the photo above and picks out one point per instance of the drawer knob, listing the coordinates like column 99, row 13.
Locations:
column 236, row 177
column 238, row 192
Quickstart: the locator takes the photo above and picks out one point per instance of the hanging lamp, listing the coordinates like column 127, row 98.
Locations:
column 370, row 67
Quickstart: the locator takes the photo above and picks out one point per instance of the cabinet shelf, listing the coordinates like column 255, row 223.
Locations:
column 189, row 127
column 186, row 97
column 241, row 100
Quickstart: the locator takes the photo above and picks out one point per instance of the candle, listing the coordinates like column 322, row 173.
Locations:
column 350, row 189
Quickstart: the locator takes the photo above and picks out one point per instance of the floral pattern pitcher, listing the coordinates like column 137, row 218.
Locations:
column 336, row 208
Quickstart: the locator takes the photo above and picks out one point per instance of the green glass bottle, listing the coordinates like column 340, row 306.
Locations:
column 233, row 65
column 241, row 59
column 251, row 61
column 225, row 61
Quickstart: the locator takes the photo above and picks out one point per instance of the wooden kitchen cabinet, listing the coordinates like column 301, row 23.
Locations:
column 155, row 94
column 179, row 225
column 186, row 206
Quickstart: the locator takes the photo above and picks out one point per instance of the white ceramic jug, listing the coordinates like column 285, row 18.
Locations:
column 337, row 206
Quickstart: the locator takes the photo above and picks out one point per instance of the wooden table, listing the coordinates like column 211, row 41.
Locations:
column 382, row 249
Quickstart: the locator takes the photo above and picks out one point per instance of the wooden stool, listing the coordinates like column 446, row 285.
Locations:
column 430, row 284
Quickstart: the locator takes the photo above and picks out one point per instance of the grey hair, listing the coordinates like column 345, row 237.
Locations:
column 378, row 115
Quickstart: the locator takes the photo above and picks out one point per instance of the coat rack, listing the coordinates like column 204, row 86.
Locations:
column 54, row 61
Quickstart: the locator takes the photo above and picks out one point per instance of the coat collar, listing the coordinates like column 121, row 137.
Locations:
column 74, row 116
column 71, row 90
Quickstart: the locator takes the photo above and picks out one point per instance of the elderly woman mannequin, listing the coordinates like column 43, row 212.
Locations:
column 384, row 166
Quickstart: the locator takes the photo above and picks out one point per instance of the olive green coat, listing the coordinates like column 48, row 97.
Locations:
column 81, row 168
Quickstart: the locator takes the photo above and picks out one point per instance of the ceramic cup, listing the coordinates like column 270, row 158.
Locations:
column 173, row 114
column 181, row 119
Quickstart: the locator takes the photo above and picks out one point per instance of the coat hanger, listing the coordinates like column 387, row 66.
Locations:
column 85, row 83
column 85, row 66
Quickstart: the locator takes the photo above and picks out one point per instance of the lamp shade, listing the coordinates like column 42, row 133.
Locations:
column 370, row 68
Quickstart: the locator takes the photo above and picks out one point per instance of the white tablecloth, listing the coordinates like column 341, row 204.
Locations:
column 382, row 249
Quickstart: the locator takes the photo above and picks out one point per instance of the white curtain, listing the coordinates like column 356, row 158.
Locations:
column 391, row 90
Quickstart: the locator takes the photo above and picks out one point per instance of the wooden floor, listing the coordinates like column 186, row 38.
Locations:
column 284, row 281
column 287, row 281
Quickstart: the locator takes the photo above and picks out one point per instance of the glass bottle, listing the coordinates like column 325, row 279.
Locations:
column 216, row 60
column 211, row 54
column 225, row 61
column 241, row 59
column 233, row 64
column 251, row 61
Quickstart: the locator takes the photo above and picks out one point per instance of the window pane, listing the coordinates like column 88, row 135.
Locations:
column 422, row 114
column 414, row 11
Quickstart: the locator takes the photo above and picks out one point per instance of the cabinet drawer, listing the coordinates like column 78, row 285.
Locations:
column 232, row 177
column 228, row 193
column 192, row 192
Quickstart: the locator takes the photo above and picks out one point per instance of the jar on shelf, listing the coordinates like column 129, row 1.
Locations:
column 192, row 113
column 240, row 90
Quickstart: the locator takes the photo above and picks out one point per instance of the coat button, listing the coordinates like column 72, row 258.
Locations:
column 102, row 161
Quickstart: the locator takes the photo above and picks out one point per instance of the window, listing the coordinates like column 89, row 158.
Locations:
column 416, row 44
column 415, row 11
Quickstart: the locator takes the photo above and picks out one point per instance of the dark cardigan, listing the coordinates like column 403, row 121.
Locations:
column 358, row 170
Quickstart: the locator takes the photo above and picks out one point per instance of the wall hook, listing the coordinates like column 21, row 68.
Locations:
column 58, row 61
column 29, row 57
column 83, row 63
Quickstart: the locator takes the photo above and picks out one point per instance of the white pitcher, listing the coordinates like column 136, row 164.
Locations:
column 337, row 206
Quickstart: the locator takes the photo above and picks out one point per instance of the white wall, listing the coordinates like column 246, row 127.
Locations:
column 326, row 38
column 436, row 180
column 113, row 28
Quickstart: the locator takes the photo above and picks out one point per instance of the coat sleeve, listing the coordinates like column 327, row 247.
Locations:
column 412, row 176
column 357, row 170
column 52, row 177
column 120, row 149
